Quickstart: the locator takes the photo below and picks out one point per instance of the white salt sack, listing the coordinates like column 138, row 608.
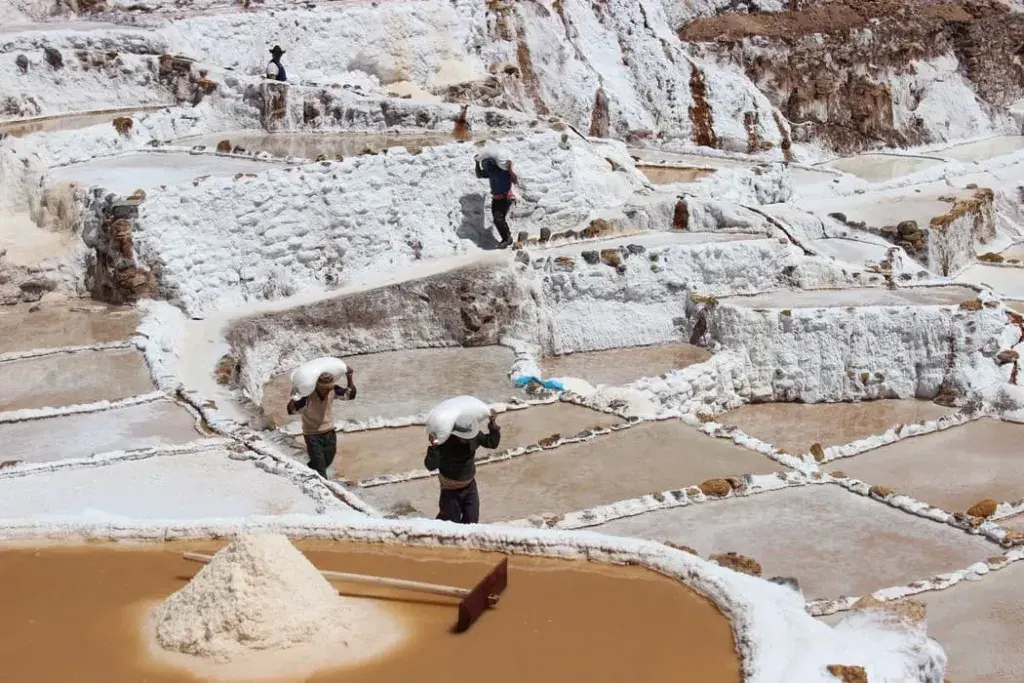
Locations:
column 445, row 414
column 496, row 152
column 258, row 593
column 304, row 377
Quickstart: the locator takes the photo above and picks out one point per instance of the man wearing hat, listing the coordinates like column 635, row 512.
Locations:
column 318, row 419
column 460, row 500
column 275, row 70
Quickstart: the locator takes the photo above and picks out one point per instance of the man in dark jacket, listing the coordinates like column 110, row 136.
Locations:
column 460, row 500
column 275, row 69
column 501, row 181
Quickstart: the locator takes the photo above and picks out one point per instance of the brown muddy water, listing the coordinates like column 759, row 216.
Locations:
column 558, row 620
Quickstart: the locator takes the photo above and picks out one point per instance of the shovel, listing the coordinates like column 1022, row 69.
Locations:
column 473, row 602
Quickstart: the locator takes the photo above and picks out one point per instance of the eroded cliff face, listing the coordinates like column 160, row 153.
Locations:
column 852, row 75
column 615, row 68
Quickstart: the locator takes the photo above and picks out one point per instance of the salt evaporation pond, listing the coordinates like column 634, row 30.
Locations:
column 978, row 460
column 881, row 167
column 52, row 124
column 374, row 452
column 793, row 427
column 622, row 366
column 663, row 175
column 597, row 472
column 809, row 533
column 553, row 623
column 984, row 149
column 312, row 145
column 126, row 173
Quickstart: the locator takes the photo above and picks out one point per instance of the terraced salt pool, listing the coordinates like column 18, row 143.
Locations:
column 881, row 167
column 126, row 173
column 406, row 383
column 313, row 145
column 52, row 124
column 553, row 624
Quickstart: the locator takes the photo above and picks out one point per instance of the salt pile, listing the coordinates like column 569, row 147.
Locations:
column 261, row 595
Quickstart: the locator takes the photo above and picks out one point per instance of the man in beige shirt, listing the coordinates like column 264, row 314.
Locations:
column 318, row 419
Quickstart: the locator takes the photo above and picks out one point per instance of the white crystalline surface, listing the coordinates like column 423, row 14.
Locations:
column 189, row 486
column 259, row 593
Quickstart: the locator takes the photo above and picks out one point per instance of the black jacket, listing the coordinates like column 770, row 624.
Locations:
column 454, row 458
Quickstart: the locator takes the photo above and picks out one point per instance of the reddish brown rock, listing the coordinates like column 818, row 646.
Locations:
column 611, row 257
column 971, row 305
column 984, row 508
column 679, row 546
column 818, row 452
column 848, row 674
column 123, row 125
column 716, row 487
column 681, row 218
column 881, row 491
column 1007, row 356
column 600, row 118
column 738, row 563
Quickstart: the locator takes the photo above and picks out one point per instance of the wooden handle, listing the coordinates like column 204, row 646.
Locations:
column 450, row 591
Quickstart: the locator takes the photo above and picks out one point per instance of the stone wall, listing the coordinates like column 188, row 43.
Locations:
column 112, row 272
column 839, row 354
column 281, row 107
column 472, row 306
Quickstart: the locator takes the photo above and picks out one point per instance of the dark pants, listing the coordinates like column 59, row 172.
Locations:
column 321, row 449
column 499, row 210
column 460, row 505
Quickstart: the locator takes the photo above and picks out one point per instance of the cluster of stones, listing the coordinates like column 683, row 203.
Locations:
column 905, row 234
column 185, row 83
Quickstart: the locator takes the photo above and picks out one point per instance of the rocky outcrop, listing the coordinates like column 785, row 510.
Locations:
column 113, row 274
column 185, row 81
column 861, row 74
column 474, row 306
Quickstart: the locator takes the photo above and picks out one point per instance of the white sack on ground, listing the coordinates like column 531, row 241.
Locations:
column 304, row 377
column 445, row 414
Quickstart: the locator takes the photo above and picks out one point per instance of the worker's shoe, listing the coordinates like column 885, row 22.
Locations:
column 505, row 244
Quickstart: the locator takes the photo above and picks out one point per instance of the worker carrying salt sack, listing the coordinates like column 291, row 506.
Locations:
column 317, row 409
column 454, row 456
column 495, row 164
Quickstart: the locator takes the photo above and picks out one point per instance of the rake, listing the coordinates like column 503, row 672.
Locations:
column 473, row 602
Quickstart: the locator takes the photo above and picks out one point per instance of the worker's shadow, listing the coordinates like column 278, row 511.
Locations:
column 475, row 226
